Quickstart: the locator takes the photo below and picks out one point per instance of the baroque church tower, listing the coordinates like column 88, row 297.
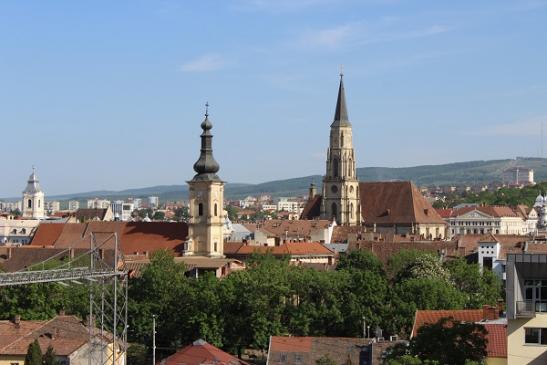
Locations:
column 341, row 200
column 205, row 228
column 33, row 198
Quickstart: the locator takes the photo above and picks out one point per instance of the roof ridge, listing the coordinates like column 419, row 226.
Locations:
column 25, row 335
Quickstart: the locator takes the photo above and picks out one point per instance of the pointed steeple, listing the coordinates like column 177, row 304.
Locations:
column 33, row 184
column 341, row 114
column 206, row 166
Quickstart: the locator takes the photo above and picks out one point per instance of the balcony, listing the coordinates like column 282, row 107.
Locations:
column 529, row 308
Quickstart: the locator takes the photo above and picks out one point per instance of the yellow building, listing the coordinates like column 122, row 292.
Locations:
column 526, row 293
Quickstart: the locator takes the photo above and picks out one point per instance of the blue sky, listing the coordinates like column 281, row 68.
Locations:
column 110, row 94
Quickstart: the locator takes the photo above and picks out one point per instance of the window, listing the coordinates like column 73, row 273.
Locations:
column 216, row 247
column 283, row 358
column 537, row 336
column 29, row 204
column 334, row 210
column 298, row 359
column 38, row 203
column 335, row 167
column 216, row 211
column 200, row 209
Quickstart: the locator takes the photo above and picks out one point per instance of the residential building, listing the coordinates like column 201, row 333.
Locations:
column 98, row 203
column 153, row 202
column 137, row 202
column 73, row 205
column 201, row 353
column 127, row 211
column 16, row 231
column 53, row 206
column 67, row 335
column 293, row 350
column 340, row 199
column 274, row 232
column 86, row 215
column 289, row 205
column 206, row 207
column 33, row 198
column 526, row 301
column 116, row 207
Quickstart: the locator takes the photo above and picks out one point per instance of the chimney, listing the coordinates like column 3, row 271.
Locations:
column 312, row 191
column 489, row 312
column 17, row 319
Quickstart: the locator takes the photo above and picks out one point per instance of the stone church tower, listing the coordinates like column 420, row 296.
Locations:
column 33, row 198
column 341, row 199
column 205, row 228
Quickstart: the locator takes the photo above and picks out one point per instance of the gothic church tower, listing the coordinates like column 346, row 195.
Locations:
column 33, row 198
column 205, row 228
column 341, row 199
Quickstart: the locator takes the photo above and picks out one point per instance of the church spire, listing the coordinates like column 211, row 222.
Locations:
column 206, row 166
column 341, row 114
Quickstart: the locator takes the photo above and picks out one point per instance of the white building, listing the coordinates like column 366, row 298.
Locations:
column 153, row 202
column 490, row 219
column 33, row 198
column 53, row 206
column 290, row 205
column 137, row 202
column 98, row 203
column 15, row 232
column 73, row 205
column 127, row 211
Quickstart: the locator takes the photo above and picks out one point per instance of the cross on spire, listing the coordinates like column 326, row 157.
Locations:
column 341, row 71
column 206, row 109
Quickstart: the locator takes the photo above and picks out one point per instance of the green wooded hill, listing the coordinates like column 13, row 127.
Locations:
column 459, row 173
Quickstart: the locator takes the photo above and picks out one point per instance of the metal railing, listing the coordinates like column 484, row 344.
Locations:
column 528, row 308
column 45, row 276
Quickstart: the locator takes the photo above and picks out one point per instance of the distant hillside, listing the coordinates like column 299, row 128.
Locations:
column 459, row 173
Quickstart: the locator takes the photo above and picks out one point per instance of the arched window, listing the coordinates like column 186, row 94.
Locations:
column 342, row 140
column 29, row 203
column 216, row 211
column 334, row 210
column 216, row 247
column 38, row 203
column 335, row 167
column 200, row 209
column 351, row 210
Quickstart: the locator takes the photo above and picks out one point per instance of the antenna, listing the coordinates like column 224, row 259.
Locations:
column 541, row 153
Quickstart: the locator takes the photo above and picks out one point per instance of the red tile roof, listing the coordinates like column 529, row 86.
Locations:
column 290, row 344
column 201, row 352
column 133, row 236
column 423, row 317
column 497, row 340
column 289, row 248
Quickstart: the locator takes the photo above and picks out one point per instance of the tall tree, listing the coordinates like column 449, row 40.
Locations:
column 49, row 357
column 34, row 354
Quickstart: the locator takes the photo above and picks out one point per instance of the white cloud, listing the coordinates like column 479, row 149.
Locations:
column 358, row 34
column 205, row 63
column 528, row 127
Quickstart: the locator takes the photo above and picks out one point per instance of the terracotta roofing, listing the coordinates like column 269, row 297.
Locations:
column 301, row 229
column 47, row 234
column 289, row 249
column 497, row 340
column 89, row 214
column 423, row 317
column 508, row 243
column 395, row 202
column 134, row 237
column 496, row 211
column 312, row 208
column 65, row 334
column 291, row 350
column 201, row 352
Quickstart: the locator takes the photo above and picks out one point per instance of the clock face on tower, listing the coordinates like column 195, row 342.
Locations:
column 334, row 189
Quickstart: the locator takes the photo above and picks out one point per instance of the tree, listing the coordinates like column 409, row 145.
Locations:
column 158, row 216
column 402, row 259
column 50, row 358
column 34, row 354
column 181, row 214
column 479, row 288
column 450, row 342
column 361, row 260
column 423, row 267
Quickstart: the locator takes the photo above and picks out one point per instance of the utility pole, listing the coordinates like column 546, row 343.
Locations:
column 364, row 327
column 153, row 339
